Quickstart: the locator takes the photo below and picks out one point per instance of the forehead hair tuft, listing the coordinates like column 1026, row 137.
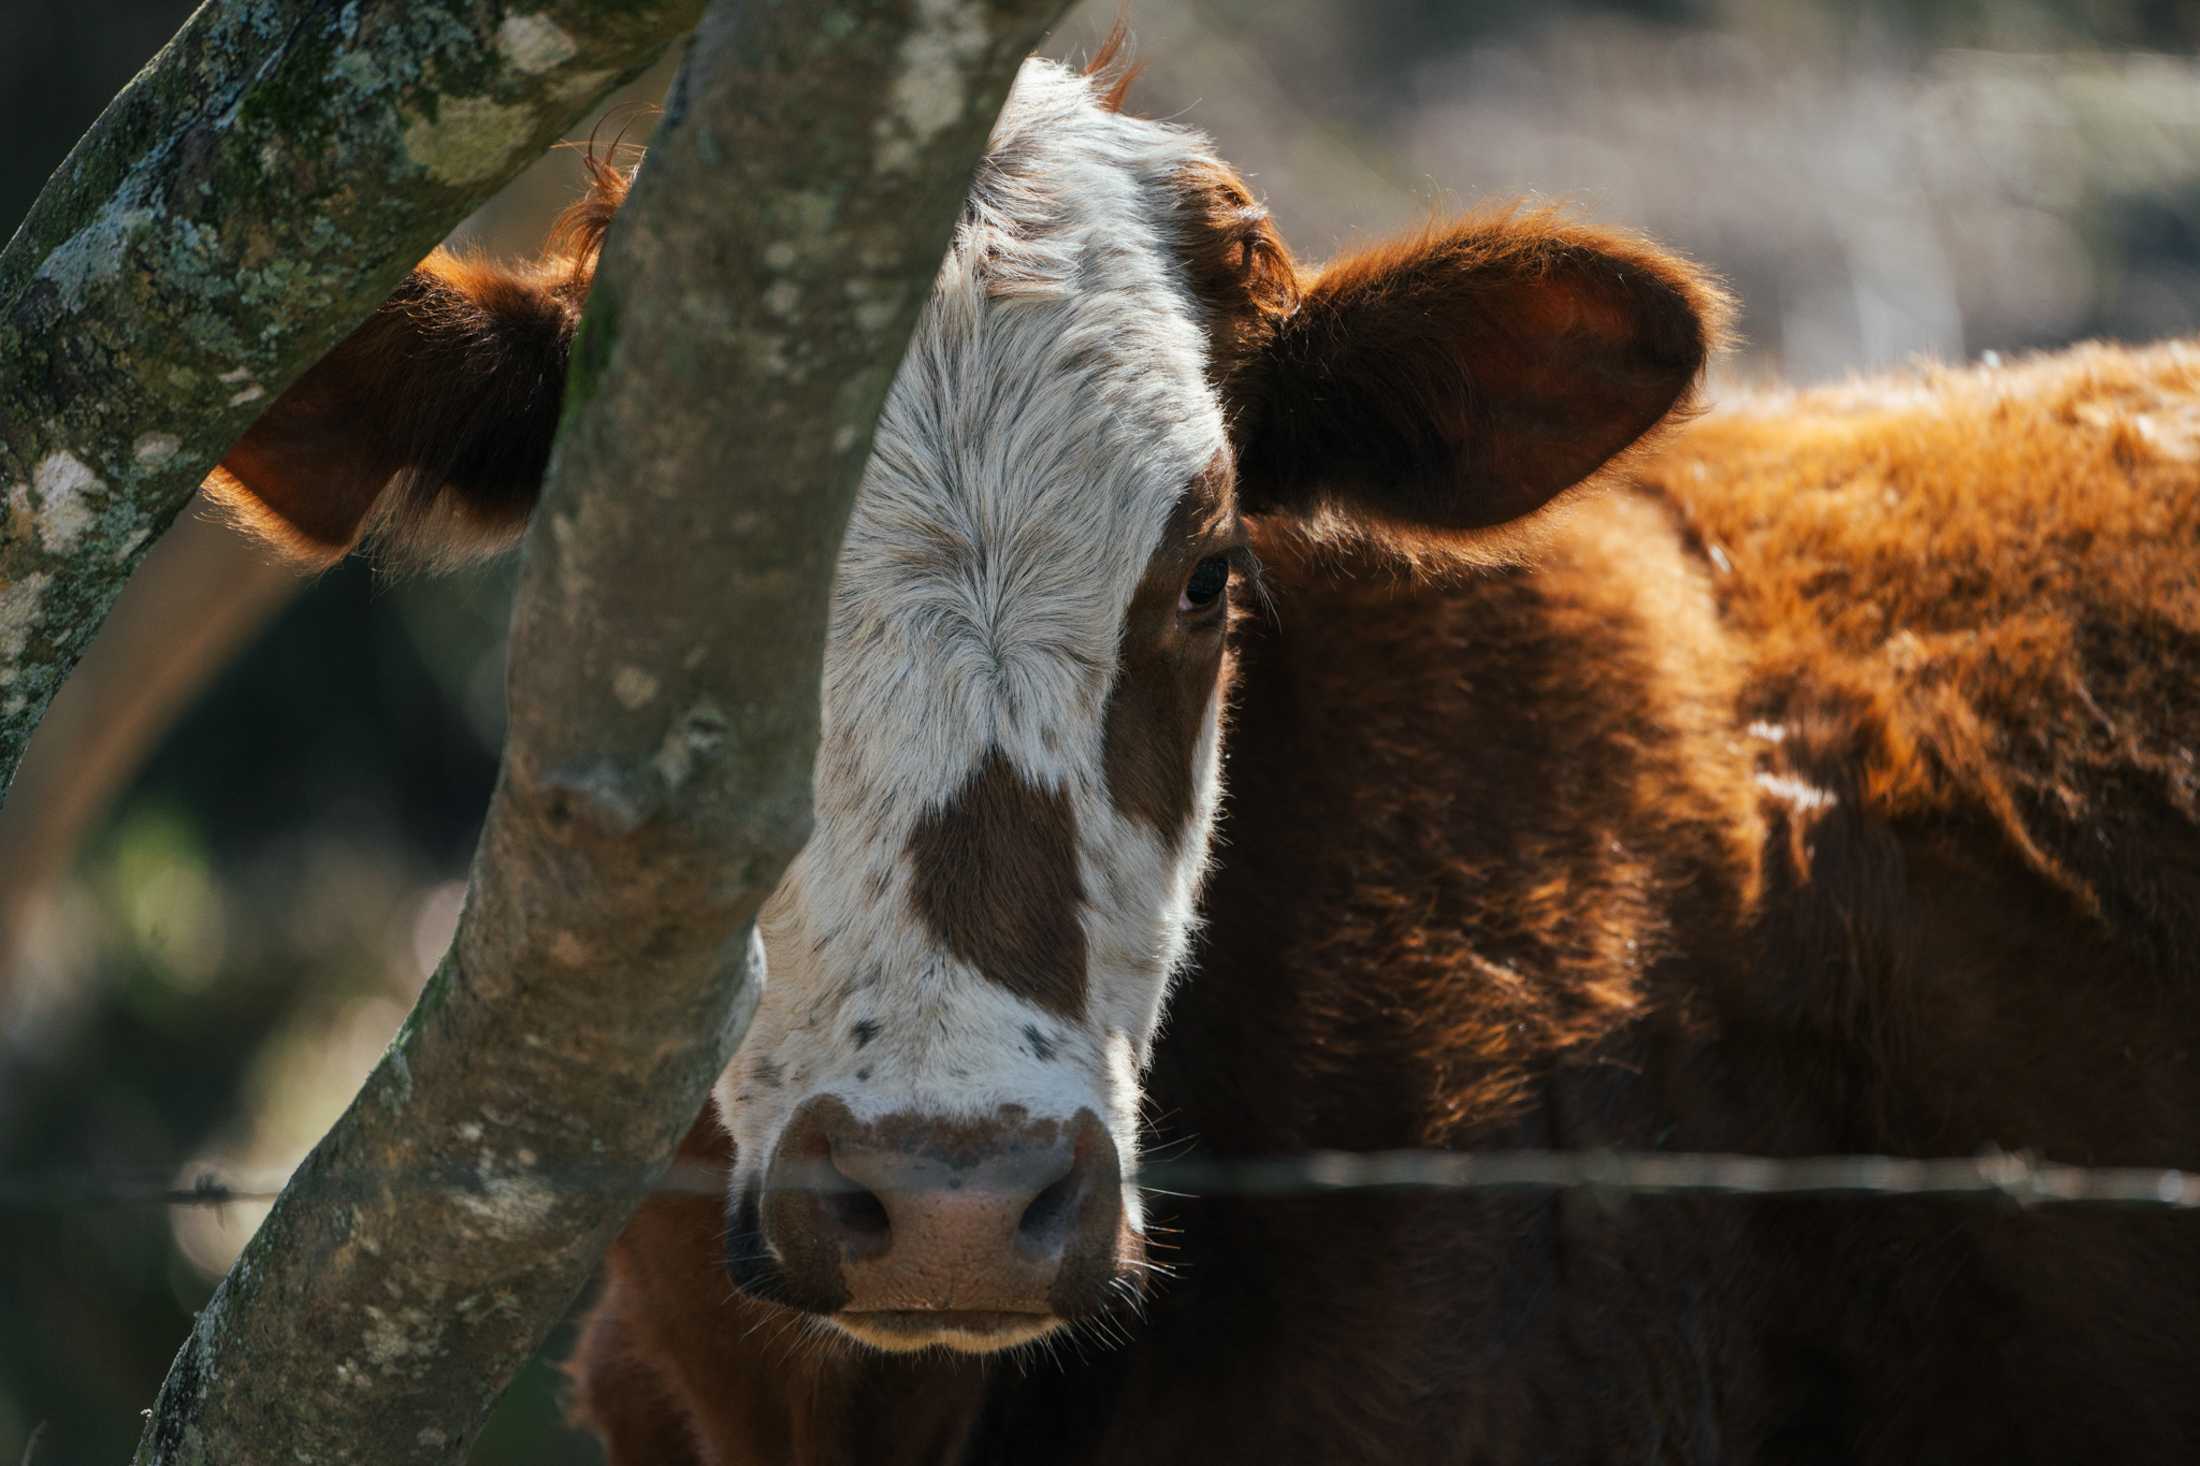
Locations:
column 1111, row 69
column 1069, row 182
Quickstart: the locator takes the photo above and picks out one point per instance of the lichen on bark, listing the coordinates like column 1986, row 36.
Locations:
column 249, row 198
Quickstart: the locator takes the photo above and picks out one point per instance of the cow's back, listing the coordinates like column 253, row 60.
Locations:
column 1993, row 574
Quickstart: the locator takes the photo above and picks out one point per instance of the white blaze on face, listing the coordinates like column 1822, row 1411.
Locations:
column 1036, row 445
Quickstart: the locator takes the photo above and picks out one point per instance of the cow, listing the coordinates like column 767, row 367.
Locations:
column 1815, row 774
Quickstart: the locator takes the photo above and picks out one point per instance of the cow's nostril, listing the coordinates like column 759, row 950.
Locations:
column 854, row 1210
column 1046, row 1223
column 913, row 1214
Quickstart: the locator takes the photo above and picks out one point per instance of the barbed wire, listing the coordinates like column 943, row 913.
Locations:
column 2012, row 1177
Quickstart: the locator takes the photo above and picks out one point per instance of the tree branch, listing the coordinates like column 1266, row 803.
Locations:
column 753, row 302
column 253, row 195
column 202, row 591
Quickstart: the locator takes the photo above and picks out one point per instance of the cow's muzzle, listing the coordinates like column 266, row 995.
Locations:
column 912, row 1231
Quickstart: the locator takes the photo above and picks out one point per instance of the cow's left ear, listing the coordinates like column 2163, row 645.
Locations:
column 1445, row 385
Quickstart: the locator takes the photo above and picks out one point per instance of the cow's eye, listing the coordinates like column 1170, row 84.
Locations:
column 1209, row 579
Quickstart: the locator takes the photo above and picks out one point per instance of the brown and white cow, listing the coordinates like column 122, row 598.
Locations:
column 1826, row 784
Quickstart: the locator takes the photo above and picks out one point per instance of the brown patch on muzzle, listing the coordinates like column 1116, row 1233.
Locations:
column 923, row 1224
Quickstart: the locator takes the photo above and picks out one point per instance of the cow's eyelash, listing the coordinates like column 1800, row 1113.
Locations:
column 1242, row 560
column 1245, row 569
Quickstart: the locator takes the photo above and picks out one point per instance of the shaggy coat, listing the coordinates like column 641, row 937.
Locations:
column 1827, row 787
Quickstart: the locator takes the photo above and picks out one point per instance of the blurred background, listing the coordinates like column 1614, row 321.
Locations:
column 241, row 839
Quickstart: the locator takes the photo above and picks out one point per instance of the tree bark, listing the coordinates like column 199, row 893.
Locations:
column 254, row 194
column 753, row 302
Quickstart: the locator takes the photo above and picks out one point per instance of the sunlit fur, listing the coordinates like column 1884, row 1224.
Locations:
column 1050, row 413
column 2006, row 471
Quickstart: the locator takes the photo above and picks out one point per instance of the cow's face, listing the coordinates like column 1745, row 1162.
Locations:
column 936, row 1109
column 1023, row 700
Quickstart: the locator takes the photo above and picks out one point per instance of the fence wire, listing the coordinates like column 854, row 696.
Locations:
column 2008, row 1177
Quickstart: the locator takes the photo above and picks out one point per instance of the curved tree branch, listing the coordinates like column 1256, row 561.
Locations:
column 202, row 591
column 254, row 194
column 752, row 304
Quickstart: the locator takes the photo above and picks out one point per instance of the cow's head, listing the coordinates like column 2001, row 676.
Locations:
column 937, row 1108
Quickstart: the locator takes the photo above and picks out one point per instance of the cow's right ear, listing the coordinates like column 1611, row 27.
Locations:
column 428, row 429
column 1439, row 389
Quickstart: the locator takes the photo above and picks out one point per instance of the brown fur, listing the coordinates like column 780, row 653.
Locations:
column 995, row 879
column 1238, row 269
column 1169, row 665
column 1995, row 575
column 429, row 427
column 1506, row 865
